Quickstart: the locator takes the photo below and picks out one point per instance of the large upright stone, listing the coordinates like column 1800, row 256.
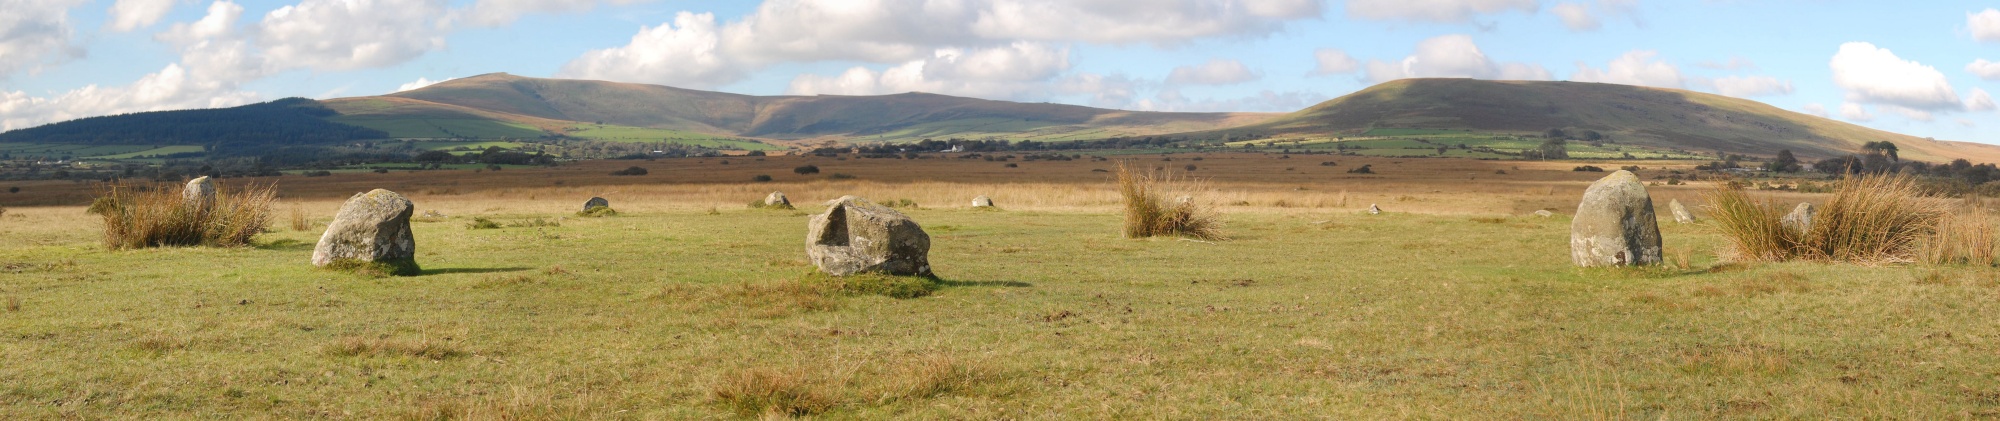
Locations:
column 1615, row 224
column 596, row 202
column 199, row 193
column 855, row 236
column 371, row 228
column 1801, row 218
column 982, row 202
column 777, row 200
column 1681, row 214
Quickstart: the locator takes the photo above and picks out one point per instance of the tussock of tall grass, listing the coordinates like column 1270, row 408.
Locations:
column 1962, row 237
column 299, row 220
column 1883, row 219
column 155, row 215
column 1161, row 203
column 813, row 390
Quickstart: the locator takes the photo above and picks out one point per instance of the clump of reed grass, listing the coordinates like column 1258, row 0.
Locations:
column 155, row 215
column 1962, row 237
column 299, row 220
column 1876, row 219
column 1149, row 211
column 767, row 392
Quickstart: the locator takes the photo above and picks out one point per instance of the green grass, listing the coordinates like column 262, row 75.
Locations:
column 1412, row 132
column 440, row 145
column 57, row 150
column 614, row 133
column 441, row 128
column 689, row 315
column 163, row 150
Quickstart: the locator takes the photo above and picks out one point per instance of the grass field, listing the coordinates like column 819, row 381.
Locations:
column 58, row 150
column 444, row 128
column 1454, row 304
column 163, row 150
column 1424, row 142
column 613, row 133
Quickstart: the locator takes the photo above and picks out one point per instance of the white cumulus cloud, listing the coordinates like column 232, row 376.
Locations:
column 34, row 32
column 1978, row 100
column 1985, row 25
column 1854, row 112
column 683, row 53
column 1452, row 56
column 1633, row 68
column 168, row 89
column 1984, row 69
column 1576, row 16
column 1875, row 75
column 351, row 34
column 1016, row 71
column 1449, row 11
column 1333, row 61
column 420, row 83
column 127, row 15
column 1214, row 72
column 699, row 51
column 215, row 60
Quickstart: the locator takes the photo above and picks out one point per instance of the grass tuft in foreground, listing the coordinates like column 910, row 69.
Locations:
column 807, row 391
column 1965, row 236
column 900, row 287
column 377, row 269
column 155, row 215
column 1149, row 211
column 597, row 212
column 1867, row 220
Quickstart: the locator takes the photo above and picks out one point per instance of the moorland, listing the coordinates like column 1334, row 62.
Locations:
column 1456, row 302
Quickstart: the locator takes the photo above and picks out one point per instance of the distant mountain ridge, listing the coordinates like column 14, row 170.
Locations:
column 1673, row 118
column 502, row 106
column 556, row 104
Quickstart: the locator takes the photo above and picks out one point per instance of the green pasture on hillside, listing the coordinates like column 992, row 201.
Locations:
column 444, row 128
column 611, row 133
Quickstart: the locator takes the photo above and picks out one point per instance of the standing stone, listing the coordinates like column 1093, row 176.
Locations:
column 777, row 199
column 596, row 202
column 199, row 193
column 855, row 236
column 1374, row 210
column 372, row 227
column 982, row 202
column 1801, row 218
column 1615, row 224
column 1544, row 213
column 1681, row 214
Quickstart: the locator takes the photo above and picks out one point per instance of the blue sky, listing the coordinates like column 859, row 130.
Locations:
column 1921, row 68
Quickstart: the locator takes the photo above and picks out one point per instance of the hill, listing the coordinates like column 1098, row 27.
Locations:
column 1664, row 118
column 284, row 121
column 500, row 104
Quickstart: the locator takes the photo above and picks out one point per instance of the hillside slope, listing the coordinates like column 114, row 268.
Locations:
column 558, row 105
column 1630, row 114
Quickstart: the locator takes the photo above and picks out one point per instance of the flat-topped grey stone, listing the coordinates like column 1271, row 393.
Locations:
column 856, row 236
